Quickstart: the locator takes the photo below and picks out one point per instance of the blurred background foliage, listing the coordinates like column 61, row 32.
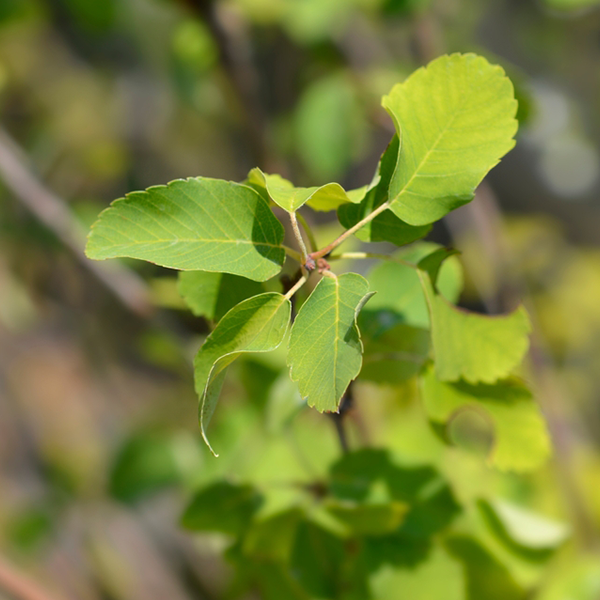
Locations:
column 99, row 447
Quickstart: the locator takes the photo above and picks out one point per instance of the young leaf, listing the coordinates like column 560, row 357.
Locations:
column 211, row 295
column 325, row 351
column 467, row 345
column 284, row 194
column 194, row 224
column 385, row 227
column 521, row 441
column 456, row 119
column 257, row 324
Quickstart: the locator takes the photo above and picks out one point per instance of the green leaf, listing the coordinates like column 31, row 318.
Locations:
column 368, row 519
column 385, row 227
column 254, row 325
column 370, row 477
column 145, row 464
column 211, row 295
column 485, row 576
column 455, row 119
column 222, row 507
column 317, row 560
column 396, row 355
column 326, row 197
column 197, row 224
column 273, row 537
column 521, row 440
column 441, row 577
column 325, row 350
column 400, row 297
column 467, row 345
column 521, row 531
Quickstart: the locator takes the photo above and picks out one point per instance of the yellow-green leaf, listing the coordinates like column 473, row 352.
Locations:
column 455, row 119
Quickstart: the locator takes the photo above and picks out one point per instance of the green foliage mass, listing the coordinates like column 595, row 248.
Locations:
column 374, row 527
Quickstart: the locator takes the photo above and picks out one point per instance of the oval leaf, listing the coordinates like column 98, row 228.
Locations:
column 456, row 119
column 196, row 224
column 325, row 351
column 254, row 325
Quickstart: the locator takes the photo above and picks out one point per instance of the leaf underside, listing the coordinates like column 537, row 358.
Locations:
column 284, row 194
column 257, row 324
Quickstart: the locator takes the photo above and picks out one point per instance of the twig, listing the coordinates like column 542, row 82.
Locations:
column 54, row 214
column 298, row 236
column 18, row 586
column 342, row 238
column 309, row 233
column 346, row 404
column 368, row 255
column 297, row 286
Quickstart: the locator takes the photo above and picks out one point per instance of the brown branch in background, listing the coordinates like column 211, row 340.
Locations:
column 235, row 57
column 346, row 406
column 53, row 212
column 20, row 587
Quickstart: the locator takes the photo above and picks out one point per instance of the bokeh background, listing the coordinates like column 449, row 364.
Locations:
column 99, row 445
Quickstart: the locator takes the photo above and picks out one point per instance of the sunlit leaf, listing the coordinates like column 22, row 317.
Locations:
column 211, row 295
column 521, row 440
column 284, row 194
column 468, row 345
column 325, row 350
column 440, row 577
column 257, row 324
column 455, row 119
column 197, row 224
